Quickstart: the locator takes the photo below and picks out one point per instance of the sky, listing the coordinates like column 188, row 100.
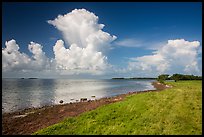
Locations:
column 101, row 39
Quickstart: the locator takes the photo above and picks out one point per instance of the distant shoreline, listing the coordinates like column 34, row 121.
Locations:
column 135, row 78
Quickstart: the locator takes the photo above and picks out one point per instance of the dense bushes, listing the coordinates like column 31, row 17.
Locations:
column 176, row 77
column 162, row 78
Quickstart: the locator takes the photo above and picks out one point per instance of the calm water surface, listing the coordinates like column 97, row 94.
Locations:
column 19, row 94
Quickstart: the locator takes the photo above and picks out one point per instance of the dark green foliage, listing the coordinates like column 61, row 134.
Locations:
column 177, row 77
column 162, row 78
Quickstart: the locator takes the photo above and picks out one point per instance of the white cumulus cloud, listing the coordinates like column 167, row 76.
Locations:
column 14, row 60
column 76, row 58
column 39, row 59
column 87, row 42
column 85, row 52
column 177, row 56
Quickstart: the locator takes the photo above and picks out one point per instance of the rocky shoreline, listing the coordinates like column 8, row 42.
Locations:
column 28, row 121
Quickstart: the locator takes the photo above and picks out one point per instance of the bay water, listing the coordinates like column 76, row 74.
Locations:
column 18, row 94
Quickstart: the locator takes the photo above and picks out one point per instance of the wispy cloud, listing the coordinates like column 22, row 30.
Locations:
column 142, row 43
column 129, row 42
column 53, row 38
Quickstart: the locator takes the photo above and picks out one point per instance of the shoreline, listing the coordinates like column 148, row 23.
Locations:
column 27, row 121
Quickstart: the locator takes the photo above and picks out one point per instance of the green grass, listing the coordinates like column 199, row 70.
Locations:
column 172, row 111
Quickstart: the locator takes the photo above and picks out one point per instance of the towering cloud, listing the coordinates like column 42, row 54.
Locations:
column 177, row 56
column 85, row 51
column 87, row 42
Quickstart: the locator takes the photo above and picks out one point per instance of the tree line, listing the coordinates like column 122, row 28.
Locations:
column 177, row 77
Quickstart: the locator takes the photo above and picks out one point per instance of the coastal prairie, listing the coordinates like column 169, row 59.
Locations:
column 174, row 111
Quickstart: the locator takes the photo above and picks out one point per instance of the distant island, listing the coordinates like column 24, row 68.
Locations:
column 29, row 78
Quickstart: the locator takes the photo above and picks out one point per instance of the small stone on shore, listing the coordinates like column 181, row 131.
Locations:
column 83, row 99
column 61, row 101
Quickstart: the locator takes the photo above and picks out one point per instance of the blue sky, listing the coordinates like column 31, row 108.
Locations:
column 146, row 25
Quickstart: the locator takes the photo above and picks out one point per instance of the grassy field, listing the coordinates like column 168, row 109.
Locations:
column 173, row 111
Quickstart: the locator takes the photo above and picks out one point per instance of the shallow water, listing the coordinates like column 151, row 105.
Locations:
column 19, row 94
